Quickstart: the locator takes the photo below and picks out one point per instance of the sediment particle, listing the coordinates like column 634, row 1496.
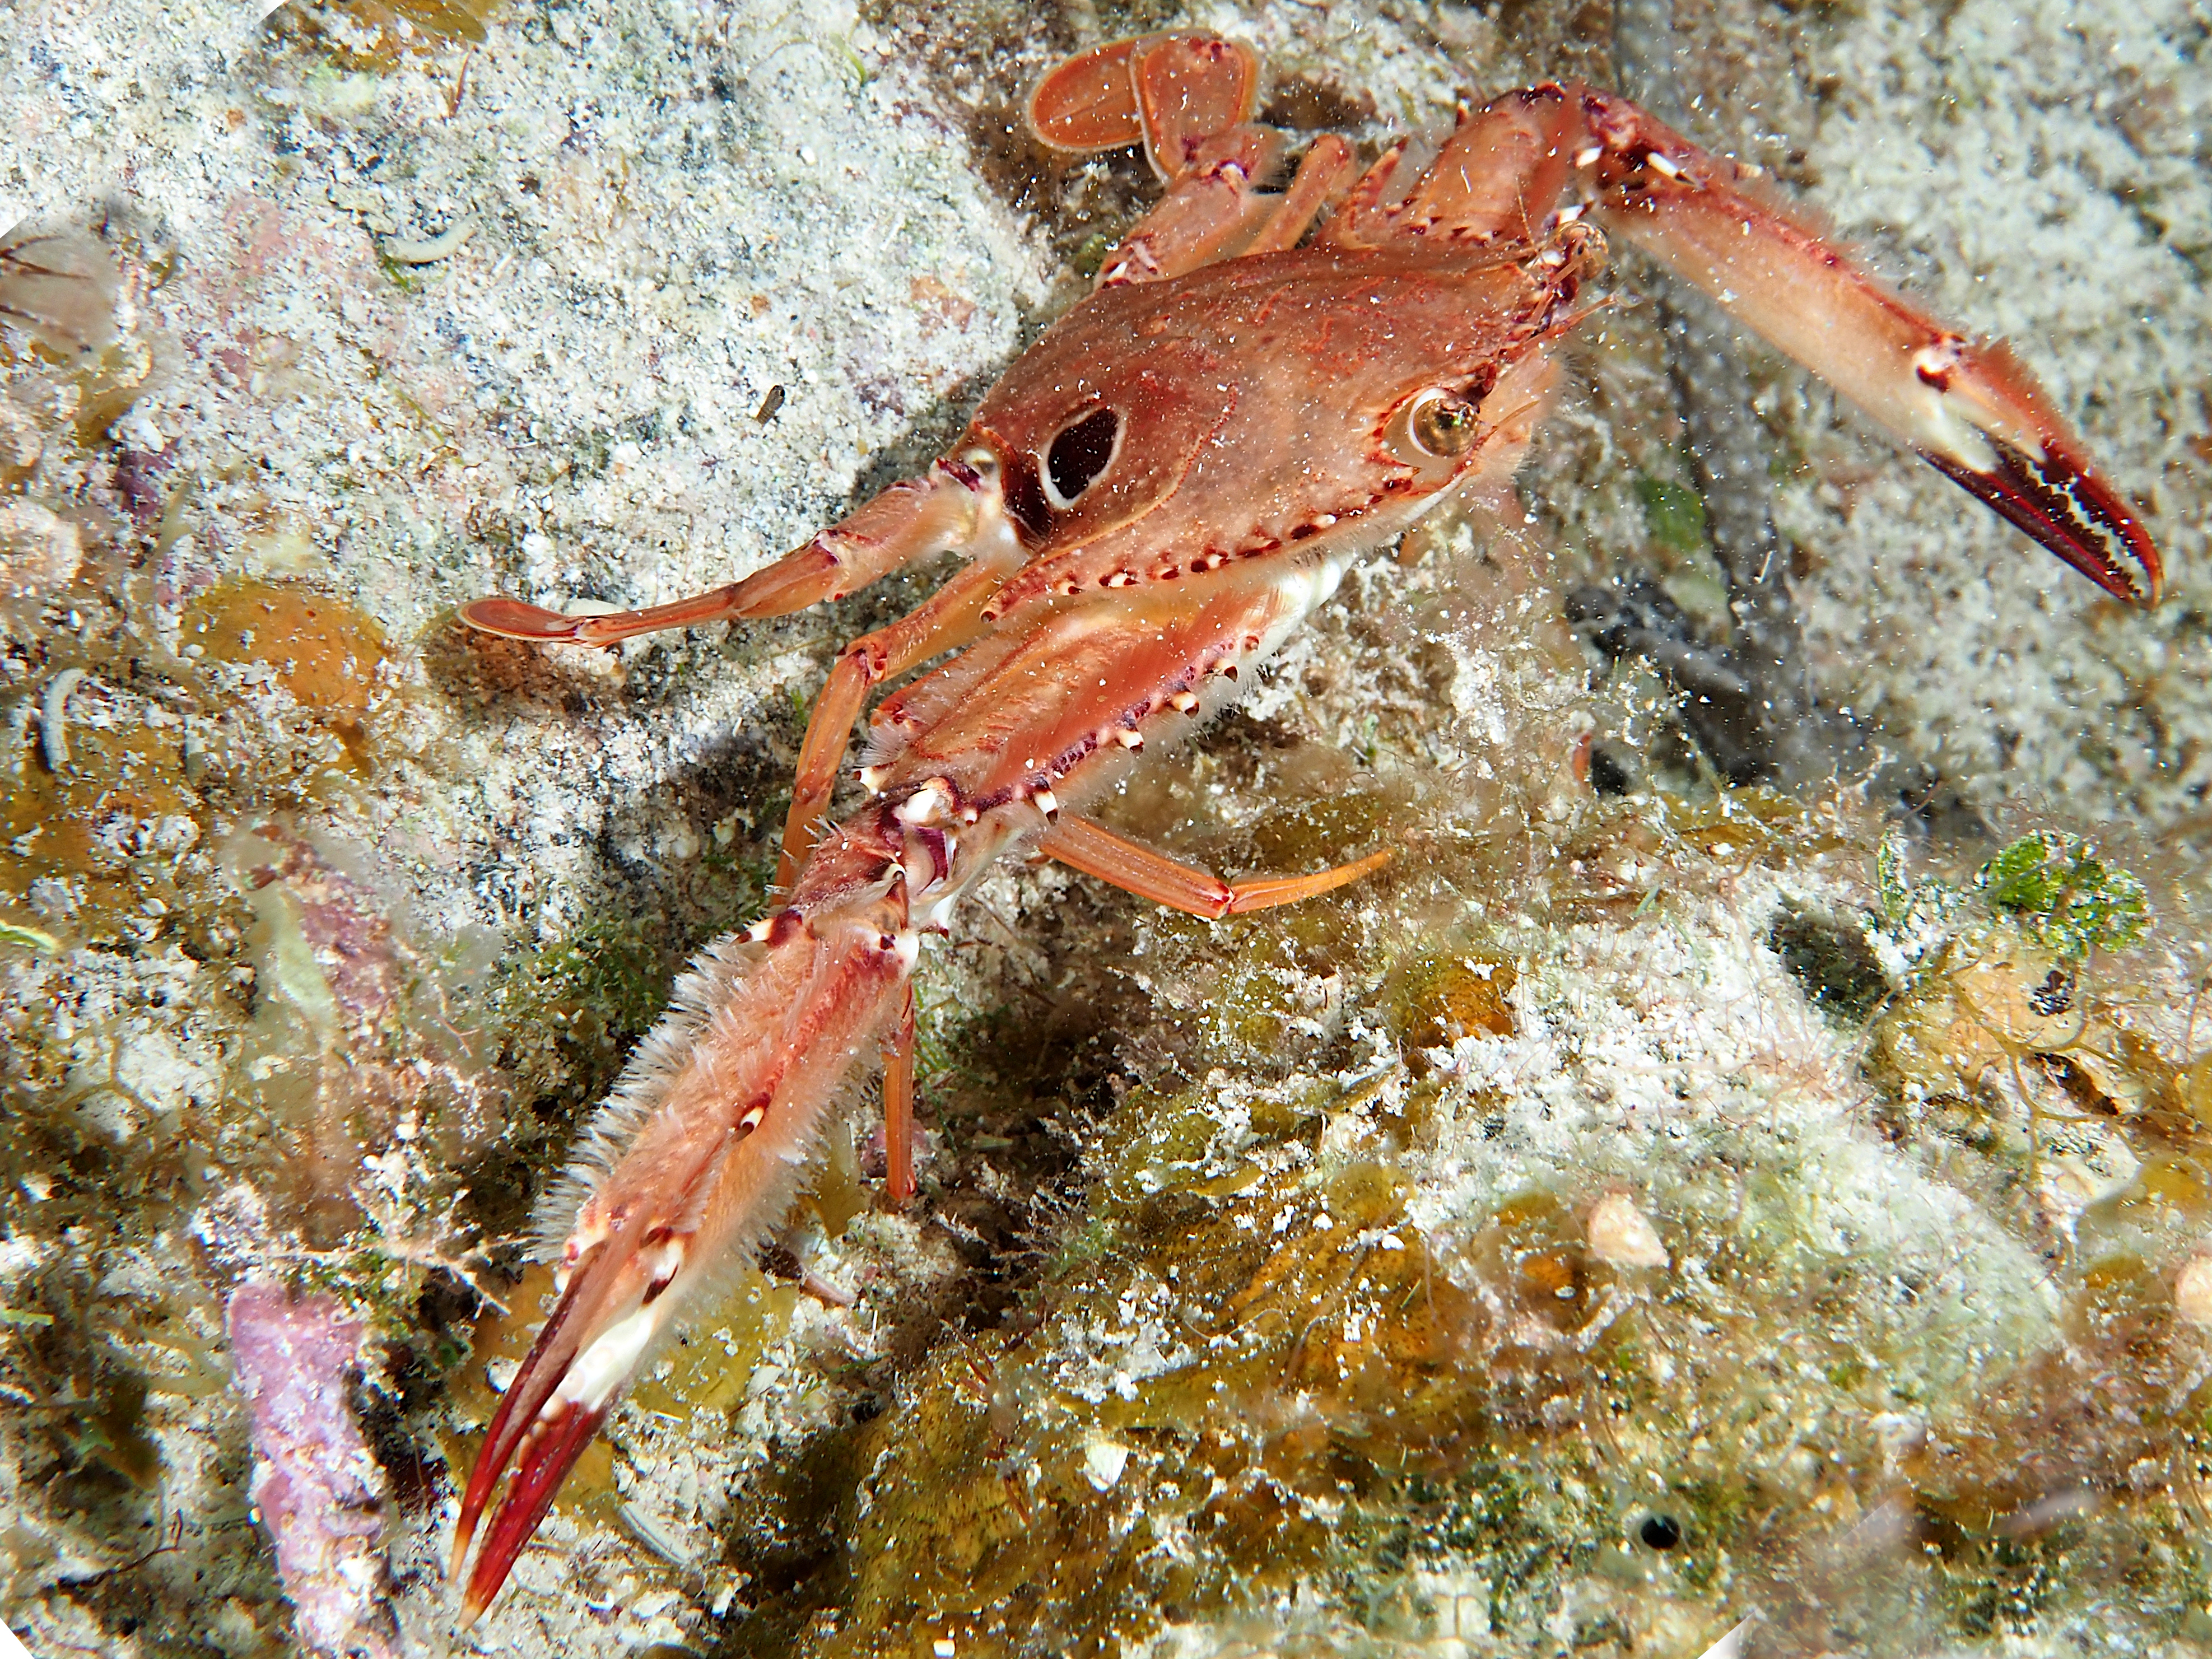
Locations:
column 1623, row 1235
column 40, row 550
column 20, row 445
column 2192, row 1291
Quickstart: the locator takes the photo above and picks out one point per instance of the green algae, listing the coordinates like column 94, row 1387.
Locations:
column 2071, row 900
column 1673, row 515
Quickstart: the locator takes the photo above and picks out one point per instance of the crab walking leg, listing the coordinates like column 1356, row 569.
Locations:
column 1097, row 851
column 952, row 505
column 951, row 616
column 1188, row 100
column 898, row 1105
column 1972, row 412
column 697, row 1156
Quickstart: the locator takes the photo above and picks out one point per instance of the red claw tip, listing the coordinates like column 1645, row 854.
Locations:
column 2070, row 509
column 555, row 1441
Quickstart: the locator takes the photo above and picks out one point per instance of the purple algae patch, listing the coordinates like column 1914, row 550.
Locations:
column 317, row 1487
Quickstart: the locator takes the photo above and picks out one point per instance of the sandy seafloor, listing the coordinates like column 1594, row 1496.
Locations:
column 1374, row 1278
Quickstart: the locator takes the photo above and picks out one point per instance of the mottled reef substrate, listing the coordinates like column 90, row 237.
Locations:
column 1626, row 1212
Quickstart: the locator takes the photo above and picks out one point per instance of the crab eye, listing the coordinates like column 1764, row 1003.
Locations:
column 1442, row 424
column 1079, row 454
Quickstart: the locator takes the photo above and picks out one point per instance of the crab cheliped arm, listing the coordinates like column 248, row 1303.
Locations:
column 699, row 1154
column 951, row 616
column 1971, row 410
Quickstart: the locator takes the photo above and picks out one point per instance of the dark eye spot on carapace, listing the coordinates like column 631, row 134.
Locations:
column 1080, row 453
column 1026, row 502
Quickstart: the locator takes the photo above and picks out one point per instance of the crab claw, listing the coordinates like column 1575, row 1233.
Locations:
column 1971, row 410
column 1990, row 432
column 610, row 1312
column 696, row 1158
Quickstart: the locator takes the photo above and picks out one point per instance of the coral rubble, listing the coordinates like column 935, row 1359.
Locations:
column 316, row 1486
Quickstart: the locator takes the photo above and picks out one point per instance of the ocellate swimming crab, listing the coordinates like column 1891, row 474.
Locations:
column 1265, row 386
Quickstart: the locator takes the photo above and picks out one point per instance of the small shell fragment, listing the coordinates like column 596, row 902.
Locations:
column 1621, row 1235
column 20, row 445
column 443, row 246
column 1102, row 1463
column 53, row 718
column 2192, row 1291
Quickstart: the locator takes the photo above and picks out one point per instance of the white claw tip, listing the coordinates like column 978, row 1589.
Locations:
column 1047, row 803
column 598, row 1372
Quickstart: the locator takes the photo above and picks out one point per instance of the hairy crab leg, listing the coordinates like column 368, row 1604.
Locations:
column 1971, row 410
column 1082, row 844
column 698, row 1155
column 898, row 1105
column 952, row 505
